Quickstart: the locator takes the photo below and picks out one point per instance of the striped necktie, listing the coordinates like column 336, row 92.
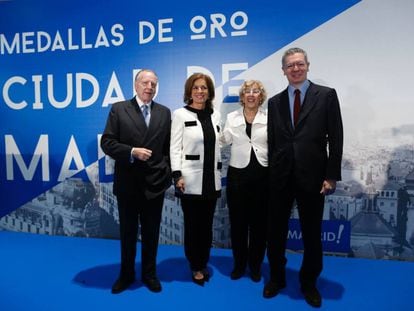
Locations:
column 145, row 113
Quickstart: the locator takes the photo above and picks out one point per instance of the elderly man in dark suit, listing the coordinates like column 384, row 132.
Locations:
column 305, row 138
column 137, row 136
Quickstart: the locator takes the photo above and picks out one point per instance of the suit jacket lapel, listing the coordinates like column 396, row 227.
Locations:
column 136, row 116
column 284, row 111
column 308, row 102
column 155, row 117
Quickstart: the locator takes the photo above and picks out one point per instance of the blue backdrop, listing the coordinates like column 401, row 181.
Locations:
column 63, row 64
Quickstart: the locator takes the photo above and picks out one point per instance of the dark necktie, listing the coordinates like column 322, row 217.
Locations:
column 145, row 113
column 296, row 107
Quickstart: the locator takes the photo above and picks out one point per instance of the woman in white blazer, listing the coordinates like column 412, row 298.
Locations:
column 246, row 131
column 196, row 165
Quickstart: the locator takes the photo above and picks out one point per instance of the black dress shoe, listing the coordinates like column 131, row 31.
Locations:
column 120, row 285
column 255, row 276
column 236, row 274
column 312, row 296
column 271, row 289
column 153, row 284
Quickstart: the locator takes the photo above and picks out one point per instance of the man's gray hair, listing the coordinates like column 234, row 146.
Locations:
column 145, row 70
column 292, row 51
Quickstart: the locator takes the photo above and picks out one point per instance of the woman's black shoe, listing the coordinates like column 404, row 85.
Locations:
column 206, row 274
column 196, row 280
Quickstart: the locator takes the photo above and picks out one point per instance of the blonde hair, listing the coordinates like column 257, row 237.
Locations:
column 250, row 84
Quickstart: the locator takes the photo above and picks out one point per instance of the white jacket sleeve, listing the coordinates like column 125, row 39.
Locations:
column 176, row 142
column 226, row 138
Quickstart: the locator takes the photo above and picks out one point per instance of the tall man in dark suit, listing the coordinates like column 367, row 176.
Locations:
column 305, row 153
column 142, row 174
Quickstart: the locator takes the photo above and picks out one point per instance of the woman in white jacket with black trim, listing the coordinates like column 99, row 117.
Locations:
column 247, row 180
column 196, row 165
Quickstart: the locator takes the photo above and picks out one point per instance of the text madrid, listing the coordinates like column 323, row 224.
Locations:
column 71, row 164
column 216, row 24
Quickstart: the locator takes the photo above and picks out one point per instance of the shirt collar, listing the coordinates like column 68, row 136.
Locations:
column 141, row 103
column 303, row 88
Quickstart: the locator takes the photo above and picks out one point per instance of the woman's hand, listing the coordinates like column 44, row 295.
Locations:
column 180, row 184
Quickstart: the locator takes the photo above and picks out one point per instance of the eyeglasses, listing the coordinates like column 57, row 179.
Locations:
column 199, row 88
column 300, row 65
column 252, row 91
column 148, row 84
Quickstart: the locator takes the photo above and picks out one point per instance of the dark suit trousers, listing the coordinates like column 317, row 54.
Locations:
column 247, row 202
column 134, row 208
column 310, row 207
column 198, row 230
